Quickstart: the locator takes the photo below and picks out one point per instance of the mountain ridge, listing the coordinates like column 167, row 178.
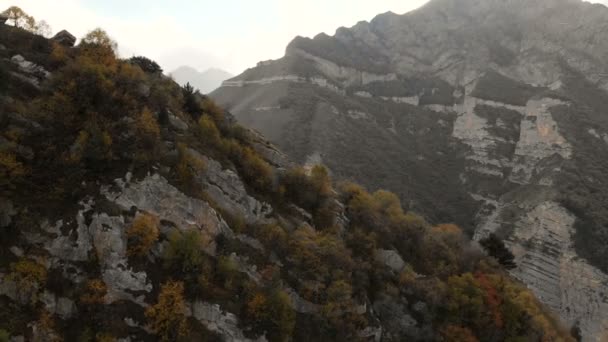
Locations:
column 488, row 112
column 206, row 81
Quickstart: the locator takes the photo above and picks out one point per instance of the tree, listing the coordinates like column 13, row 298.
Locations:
column 147, row 65
column 496, row 248
column 44, row 29
column 94, row 292
column 192, row 105
column 19, row 18
column 100, row 37
column 184, row 252
column 167, row 318
column 272, row 313
column 29, row 276
column 142, row 234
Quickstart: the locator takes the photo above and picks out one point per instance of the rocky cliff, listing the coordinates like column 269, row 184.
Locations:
column 490, row 114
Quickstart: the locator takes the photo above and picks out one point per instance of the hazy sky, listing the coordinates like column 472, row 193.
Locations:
column 228, row 34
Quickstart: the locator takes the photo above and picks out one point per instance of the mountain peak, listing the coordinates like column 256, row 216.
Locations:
column 205, row 81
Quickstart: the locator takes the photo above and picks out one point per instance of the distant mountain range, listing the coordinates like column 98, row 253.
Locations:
column 205, row 81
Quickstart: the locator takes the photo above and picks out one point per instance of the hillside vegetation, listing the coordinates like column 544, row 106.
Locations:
column 360, row 266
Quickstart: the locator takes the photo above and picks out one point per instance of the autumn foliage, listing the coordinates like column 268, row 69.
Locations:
column 167, row 318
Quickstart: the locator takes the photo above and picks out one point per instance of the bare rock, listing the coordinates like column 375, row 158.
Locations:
column 155, row 195
column 228, row 191
column 65, row 38
column 391, row 259
column 7, row 211
column 223, row 323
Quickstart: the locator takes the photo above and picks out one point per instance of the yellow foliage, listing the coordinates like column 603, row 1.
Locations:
column 256, row 170
column 29, row 276
column 188, row 166
column 209, row 132
column 105, row 337
column 94, row 292
column 142, row 234
column 167, row 318
column 9, row 166
column 454, row 333
column 147, row 125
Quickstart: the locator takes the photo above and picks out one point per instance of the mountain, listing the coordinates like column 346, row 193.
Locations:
column 133, row 209
column 205, row 81
column 489, row 114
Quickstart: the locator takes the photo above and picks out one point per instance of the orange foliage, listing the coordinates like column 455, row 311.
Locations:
column 454, row 333
column 167, row 317
column 94, row 292
column 142, row 234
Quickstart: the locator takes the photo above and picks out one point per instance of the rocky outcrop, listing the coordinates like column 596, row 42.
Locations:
column 227, row 190
column 155, row 195
column 64, row 38
column 6, row 212
column 547, row 263
column 392, row 259
column 223, row 323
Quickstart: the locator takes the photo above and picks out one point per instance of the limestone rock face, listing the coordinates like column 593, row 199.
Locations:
column 474, row 113
column 155, row 195
column 228, row 191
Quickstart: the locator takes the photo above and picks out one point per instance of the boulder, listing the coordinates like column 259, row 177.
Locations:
column 391, row 259
column 6, row 212
column 65, row 38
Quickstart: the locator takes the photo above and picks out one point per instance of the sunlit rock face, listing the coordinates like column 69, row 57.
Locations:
column 490, row 114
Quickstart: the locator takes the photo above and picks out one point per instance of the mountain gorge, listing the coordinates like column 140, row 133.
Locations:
column 489, row 114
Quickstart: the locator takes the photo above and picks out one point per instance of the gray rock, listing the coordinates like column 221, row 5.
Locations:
column 223, row 323
column 155, row 195
column 6, row 212
column 30, row 67
column 391, row 259
column 64, row 38
column 177, row 123
column 397, row 323
column 61, row 306
column 228, row 191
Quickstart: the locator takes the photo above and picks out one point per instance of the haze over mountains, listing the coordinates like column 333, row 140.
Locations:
column 491, row 114
column 205, row 81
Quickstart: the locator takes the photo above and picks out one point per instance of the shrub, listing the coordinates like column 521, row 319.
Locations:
column 4, row 336
column 209, row 132
column 142, row 234
column 188, row 166
column 94, row 292
column 256, row 171
column 29, row 277
column 146, row 64
column 496, row 248
column 184, row 252
column 167, row 318
column 272, row 313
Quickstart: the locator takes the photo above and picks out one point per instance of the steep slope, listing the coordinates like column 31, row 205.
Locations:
column 490, row 114
column 205, row 81
column 136, row 210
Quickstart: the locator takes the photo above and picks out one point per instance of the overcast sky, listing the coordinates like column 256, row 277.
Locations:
column 229, row 34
